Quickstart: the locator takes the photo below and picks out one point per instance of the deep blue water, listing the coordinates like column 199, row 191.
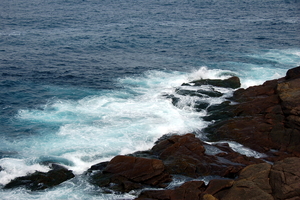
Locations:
column 83, row 80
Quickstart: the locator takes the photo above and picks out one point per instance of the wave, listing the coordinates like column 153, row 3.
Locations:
column 93, row 129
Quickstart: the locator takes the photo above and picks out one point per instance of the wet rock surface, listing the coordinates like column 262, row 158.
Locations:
column 265, row 118
column 186, row 155
column 126, row 173
column 41, row 180
column 257, row 181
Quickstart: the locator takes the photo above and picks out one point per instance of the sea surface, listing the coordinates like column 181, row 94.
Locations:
column 82, row 81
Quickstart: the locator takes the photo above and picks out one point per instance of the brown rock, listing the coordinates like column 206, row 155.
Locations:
column 289, row 93
column 266, row 116
column 128, row 173
column 135, row 169
column 253, row 183
column 217, row 185
column 188, row 191
column 209, row 197
column 293, row 73
column 245, row 189
column 155, row 194
column 182, row 155
column 185, row 155
column 285, row 178
column 259, row 175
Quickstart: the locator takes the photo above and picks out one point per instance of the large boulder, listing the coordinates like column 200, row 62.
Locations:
column 126, row 173
column 253, row 183
column 41, row 180
column 185, row 155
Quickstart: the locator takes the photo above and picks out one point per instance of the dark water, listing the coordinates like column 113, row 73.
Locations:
column 81, row 81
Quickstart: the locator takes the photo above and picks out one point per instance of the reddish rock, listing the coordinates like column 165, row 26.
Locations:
column 185, row 155
column 259, row 175
column 246, row 189
column 155, row 195
column 253, row 183
column 217, row 185
column 263, row 181
column 266, row 117
column 128, row 173
column 182, row 155
column 179, row 154
column 285, row 178
column 135, row 169
column 191, row 190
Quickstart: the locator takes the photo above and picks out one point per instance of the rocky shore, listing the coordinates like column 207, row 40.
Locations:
column 264, row 118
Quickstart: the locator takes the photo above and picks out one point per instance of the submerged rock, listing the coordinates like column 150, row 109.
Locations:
column 41, row 180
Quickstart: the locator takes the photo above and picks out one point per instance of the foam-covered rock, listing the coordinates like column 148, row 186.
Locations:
column 41, row 180
column 185, row 155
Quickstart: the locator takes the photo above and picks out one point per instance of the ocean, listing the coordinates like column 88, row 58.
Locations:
column 82, row 81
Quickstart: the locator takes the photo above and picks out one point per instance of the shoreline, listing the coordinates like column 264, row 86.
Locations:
column 264, row 118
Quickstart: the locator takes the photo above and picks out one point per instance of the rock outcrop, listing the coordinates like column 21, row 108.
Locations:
column 126, row 173
column 266, row 118
column 176, row 154
column 186, row 155
column 285, row 179
column 41, row 180
column 258, row 181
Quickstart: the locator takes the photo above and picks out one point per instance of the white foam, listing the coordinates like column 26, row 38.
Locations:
column 257, row 75
column 12, row 168
column 206, row 73
column 98, row 127
column 237, row 147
